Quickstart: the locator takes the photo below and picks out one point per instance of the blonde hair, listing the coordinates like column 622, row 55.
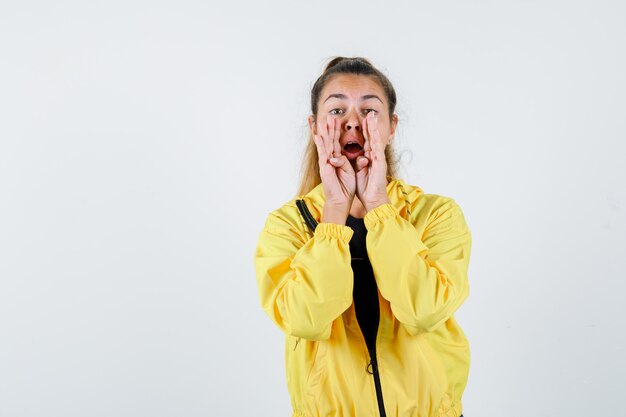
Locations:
column 309, row 172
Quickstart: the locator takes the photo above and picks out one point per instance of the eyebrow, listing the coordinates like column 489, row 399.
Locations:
column 343, row 97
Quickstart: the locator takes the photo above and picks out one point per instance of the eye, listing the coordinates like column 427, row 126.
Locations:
column 333, row 111
column 366, row 111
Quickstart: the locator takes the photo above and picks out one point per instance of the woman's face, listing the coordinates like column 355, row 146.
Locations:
column 349, row 98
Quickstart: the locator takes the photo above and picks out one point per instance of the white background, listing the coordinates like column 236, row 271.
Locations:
column 142, row 145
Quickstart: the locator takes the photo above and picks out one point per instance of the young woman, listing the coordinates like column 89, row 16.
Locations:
column 362, row 271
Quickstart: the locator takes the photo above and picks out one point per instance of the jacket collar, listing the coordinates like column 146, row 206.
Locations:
column 397, row 190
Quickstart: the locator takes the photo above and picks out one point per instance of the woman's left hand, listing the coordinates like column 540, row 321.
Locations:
column 371, row 169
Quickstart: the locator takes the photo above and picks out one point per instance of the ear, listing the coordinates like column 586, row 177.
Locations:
column 312, row 124
column 394, row 123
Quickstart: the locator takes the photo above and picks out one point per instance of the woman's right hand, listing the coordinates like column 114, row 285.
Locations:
column 338, row 178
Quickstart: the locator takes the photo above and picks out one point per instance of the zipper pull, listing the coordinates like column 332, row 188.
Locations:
column 374, row 366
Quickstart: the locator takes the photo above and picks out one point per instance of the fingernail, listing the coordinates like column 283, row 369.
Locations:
column 334, row 160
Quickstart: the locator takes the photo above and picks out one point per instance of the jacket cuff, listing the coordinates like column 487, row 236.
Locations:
column 378, row 214
column 330, row 230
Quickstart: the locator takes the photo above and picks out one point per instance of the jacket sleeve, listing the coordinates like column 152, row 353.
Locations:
column 423, row 277
column 304, row 283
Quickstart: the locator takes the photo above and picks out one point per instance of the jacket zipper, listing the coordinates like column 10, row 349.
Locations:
column 379, row 390
column 374, row 364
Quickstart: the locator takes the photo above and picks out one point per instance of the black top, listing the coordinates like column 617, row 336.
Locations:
column 365, row 291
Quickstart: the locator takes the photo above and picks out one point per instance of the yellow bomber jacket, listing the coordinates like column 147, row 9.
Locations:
column 419, row 247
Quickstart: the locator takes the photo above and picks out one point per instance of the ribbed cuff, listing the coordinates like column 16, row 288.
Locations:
column 339, row 231
column 379, row 214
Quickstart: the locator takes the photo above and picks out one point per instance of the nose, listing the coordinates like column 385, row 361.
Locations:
column 353, row 122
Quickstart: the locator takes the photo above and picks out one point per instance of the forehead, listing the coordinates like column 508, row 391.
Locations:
column 352, row 85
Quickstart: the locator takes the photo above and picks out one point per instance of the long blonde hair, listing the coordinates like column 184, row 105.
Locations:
column 309, row 172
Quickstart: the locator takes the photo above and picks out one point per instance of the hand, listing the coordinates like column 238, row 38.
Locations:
column 338, row 178
column 371, row 169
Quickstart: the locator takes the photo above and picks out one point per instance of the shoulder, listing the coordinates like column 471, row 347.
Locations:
column 431, row 208
column 287, row 221
column 419, row 200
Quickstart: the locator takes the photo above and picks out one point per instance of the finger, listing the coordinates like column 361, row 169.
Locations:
column 343, row 164
column 330, row 125
column 332, row 122
column 366, row 145
column 361, row 163
column 321, row 151
column 367, row 148
column 373, row 128
column 323, row 129
column 337, row 133
column 376, row 140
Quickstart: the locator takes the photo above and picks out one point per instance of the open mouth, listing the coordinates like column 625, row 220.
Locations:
column 352, row 150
